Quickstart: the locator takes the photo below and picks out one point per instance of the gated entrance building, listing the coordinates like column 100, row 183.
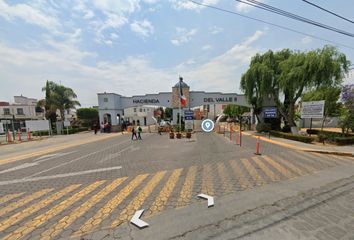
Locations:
column 112, row 105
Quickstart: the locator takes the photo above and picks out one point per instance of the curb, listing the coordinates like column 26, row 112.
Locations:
column 348, row 154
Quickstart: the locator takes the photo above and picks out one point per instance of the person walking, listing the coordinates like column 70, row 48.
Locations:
column 134, row 133
column 95, row 127
column 140, row 130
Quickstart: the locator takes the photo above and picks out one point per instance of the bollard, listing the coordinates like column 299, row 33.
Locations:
column 9, row 136
column 236, row 138
column 28, row 134
column 19, row 134
column 258, row 147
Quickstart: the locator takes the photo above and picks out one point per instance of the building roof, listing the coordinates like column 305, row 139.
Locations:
column 183, row 84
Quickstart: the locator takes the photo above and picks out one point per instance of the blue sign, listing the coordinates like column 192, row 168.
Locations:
column 188, row 113
column 270, row 112
column 188, row 117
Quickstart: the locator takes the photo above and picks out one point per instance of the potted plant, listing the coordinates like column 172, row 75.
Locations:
column 179, row 135
column 172, row 135
column 189, row 134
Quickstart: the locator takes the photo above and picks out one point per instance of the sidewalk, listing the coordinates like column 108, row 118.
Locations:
column 14, row 152
column 330, row 149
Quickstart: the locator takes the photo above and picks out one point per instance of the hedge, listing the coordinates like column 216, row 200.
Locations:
column 71, row 131
column 317, row 131
column 344, row 140
column 263, row 127
column 290, row 136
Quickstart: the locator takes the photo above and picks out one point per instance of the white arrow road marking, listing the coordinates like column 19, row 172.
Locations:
column 58, row 176
column 51, row 156
column 117, row 154
column 209, row 198
column 47, row 156
column 137, row 221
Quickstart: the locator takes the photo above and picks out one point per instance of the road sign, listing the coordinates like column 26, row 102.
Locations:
column 312, row 109
column 188, row 118
column 66, row 123
column 188, row 124
column 188, row 113
column 270, row 112
column 207, row 125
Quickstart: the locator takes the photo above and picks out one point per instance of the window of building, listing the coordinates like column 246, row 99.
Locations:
column 20, row 111
column 105, row 99
column 134, row 109
column 6, row 111
column 140, row 109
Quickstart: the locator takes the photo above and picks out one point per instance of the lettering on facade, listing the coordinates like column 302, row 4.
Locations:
column 220, row 100
column 145, row 101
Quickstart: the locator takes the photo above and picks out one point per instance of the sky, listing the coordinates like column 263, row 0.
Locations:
column 135, row 47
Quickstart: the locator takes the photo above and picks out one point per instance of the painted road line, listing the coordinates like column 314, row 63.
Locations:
column 136, row 203
column 76, row 159
column 52, row 156
column 207, row 181
column 284, row 171
column 53, row 149
column 36, row 207
column 117, row 154
column 308, row 168
column 186, row 192
column 313, row 162
column 225, row 178
column 159, row 204
column 343, row 158
column 319, row 159
column 64, row 175
column 244, row 183
column 23, row 201
column 41, row 219
column 266, row 169
column 81, row 210
column 337, row 159
column 305, row 163
column 112, row 204
column 9, row 197
column 252, row 172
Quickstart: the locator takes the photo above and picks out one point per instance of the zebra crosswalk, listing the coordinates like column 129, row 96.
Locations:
column 78, row 209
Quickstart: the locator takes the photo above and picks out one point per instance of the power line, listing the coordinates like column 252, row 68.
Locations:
column 333, row 13
column 272, row 24
column 279, row 11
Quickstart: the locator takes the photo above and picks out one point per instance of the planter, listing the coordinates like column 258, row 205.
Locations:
column 172, row 135
column 189, row 135
column 178, row 135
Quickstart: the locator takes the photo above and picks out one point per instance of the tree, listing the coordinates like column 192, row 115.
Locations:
column 330, row 95
column 232, row 111
column 168, row 113
column 88, row 114
column 59, row 97
column 286, row 75
column 346, row 120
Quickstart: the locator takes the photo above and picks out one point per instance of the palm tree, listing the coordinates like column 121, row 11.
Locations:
column 58, row 97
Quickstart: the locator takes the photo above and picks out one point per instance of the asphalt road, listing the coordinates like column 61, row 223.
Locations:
column 99, row 185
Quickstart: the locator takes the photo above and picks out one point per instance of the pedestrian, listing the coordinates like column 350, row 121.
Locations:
column 95, row 127
column 140, row 130
column 134, row 133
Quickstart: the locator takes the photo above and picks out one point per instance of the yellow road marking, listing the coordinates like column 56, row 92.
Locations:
column 43, row 218
column 9, row 197
column 136, row 203
column 343, row 159
column 112, row 204
column 252, row 171
column 305, row 157
column 52, row 149
column 81, row 210
column 161, row 200
column 337, row 159
column 292, row 167
column 35, row 207
column 225, row 178
column 266, row 169
column 186, row 192
column 23, row 201
column 207, row 182
column 278, row 167
column 318, row 160
column 239, row 174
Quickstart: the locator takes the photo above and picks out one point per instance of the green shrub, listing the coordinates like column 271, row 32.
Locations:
column 344, row 140
column 290, row 136
column 286, row 129
column 263, row 127
column 40, row 133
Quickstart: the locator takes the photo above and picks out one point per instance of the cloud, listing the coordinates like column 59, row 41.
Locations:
column 81, row 7
column 185, row 4
column 207, row 47
column 184, row 36
column 28, row 14
column 119, row 7
column 143, row 28
column 215, row 30
column 306, row 40
column 30, row 68
column 243, row 7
